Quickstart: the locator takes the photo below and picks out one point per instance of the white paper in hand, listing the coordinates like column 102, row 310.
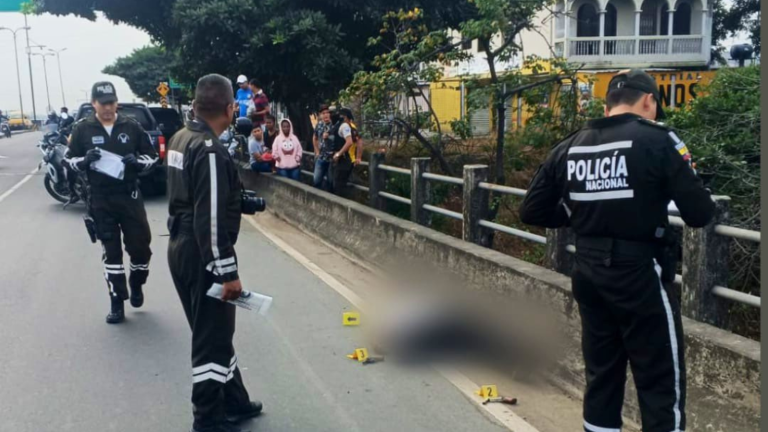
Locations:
column 248, row 300
column 110, row 164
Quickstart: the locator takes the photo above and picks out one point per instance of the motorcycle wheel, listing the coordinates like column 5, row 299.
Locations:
column 60, row 196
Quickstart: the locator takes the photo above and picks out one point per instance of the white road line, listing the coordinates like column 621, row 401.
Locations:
column 18, row 185
column 500, row 412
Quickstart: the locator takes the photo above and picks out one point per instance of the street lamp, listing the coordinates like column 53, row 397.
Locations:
column 45, row 71
column 61, row 80
column 18, row 76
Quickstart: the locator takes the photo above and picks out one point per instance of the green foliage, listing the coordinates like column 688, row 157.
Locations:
column 143, row 70
column 722, row 130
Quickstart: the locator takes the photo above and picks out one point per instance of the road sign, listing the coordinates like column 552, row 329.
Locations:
column 10, row 5
column 164, row 102
column 163, row 89
column 173, row 84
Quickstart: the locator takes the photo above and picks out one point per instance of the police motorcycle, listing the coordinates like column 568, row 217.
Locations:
column 53, row 146
column 235, row 138
column 5, row 129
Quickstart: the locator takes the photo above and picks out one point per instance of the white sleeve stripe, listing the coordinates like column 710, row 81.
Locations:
column 214, row 207
column 225, row 261
column 229, row 269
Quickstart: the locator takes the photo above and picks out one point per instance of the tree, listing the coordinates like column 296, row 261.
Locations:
column 143, row 70
column 304, row 51
column 743, row 15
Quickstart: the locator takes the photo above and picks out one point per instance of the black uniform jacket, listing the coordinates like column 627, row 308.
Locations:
column 127, row 137
column 615, row 178
column 204, row 194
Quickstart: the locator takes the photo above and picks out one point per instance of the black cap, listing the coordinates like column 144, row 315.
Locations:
column 346, row 112
column 104, row 92
column 324, row 107
column 639, row 80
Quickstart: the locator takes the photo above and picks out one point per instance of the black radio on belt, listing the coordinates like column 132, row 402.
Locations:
column 90, row 226
column 250, row 203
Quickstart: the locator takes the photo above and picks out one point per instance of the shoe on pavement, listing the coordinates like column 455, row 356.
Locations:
column 250, row 410
column 223, row 427
column 117, row 312
column 137, row 296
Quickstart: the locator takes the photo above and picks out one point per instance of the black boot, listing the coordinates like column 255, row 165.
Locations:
column 137, row 296
column 224, row 427
column 240, row 414
column 117, row 311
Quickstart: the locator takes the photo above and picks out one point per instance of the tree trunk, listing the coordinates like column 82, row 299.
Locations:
column 302, row 126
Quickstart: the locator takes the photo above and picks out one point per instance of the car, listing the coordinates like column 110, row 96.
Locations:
column 152, row 182
column 16, row 122
column 169, row 121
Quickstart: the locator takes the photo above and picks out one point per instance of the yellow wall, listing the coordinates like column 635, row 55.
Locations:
column 446, row 100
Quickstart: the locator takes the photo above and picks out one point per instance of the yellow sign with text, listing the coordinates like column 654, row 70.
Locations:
column 688, row 84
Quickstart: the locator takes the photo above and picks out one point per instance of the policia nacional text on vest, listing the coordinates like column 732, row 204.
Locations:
column 115, row 204
column 611, row 182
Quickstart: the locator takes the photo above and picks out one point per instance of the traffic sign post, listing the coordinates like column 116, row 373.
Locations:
column 163, row 89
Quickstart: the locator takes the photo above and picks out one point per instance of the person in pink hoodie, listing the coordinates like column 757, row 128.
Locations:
column 287, row 151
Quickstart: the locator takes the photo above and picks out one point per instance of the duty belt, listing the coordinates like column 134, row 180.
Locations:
column 609, row 247
column 126, row 188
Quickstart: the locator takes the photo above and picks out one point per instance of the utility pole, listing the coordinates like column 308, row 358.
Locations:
column 61, row 80
column 31, row 81
column 45, row 71
column 18, row 75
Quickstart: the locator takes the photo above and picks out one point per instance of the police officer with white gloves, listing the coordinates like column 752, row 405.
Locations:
column 116, row 203
column 611, row 182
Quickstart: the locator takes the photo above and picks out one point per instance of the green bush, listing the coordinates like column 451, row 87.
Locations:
column 722, row 130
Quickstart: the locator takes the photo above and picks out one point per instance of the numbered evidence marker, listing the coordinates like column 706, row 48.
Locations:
column 351, row 318
column 488, row 391
column 362, row 354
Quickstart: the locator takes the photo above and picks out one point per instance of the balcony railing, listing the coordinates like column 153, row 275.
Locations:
column 635, row 49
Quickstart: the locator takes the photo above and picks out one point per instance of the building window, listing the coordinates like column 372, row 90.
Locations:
column 480, row 46
column 682, row 20
column 588, row 24
column 466, row 45
column 611, row 19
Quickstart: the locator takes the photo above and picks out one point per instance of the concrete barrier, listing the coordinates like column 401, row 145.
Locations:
column 723, row 368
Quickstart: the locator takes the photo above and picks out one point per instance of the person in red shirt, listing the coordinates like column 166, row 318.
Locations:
column 260, row 104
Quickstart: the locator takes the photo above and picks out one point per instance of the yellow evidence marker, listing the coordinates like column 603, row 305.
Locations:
column 488, row 391
column 361, row 355
column 351, row 318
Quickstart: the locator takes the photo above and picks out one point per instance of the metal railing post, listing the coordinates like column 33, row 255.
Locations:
column 377, row 178
column 559, row 259
column 475, row 204
column 705, row 264
column 420, row 191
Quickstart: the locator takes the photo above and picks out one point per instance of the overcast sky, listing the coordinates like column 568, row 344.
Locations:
column 90, row 47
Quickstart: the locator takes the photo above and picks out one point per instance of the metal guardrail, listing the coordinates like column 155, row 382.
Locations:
column 443, row 178
column 395, row 169
column 722, row 230
column 394, row 197
column 444, row 212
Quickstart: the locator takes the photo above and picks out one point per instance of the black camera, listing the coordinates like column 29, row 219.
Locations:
column 250, row 203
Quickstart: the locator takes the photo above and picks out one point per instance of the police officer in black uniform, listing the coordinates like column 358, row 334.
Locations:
column 612, row 182
column 116, row 204
column 205, row 206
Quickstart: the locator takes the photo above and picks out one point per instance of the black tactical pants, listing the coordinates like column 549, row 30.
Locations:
column 217, row 383
column 629, row 316
column 124, row 212
column 341, row 172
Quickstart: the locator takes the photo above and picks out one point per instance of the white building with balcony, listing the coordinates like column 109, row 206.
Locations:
column 633, row 33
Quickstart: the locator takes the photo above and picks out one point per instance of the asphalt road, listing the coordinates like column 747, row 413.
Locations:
column 64, row 369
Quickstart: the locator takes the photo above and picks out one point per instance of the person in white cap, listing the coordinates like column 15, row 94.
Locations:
column 244, row 95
